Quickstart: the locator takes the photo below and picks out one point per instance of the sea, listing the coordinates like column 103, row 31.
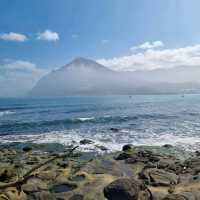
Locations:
column 110, row 121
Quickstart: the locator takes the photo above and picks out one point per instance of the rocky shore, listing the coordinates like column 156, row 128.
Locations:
column 133, row 173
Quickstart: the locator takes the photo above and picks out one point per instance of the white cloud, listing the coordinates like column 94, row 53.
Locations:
column 18, row 77
column 148, row 45
column 153, row 58
column 48, row 35
column 13, row 37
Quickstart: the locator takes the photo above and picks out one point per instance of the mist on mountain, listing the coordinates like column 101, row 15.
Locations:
column 87, row 77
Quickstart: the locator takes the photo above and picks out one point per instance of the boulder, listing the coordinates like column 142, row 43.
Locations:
column 168, row 146
column 158, row 177
column 127, row 147
column 86, row 141
column 124, row 188
column 27, row 149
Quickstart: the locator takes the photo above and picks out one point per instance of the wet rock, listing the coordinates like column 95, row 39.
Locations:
column 123, row 156
column 86, row 141
column 123, row 188
column 171, row 165
column 114, row 129
column 145, row 153
column 168, row 146
column 127, row 147
column 102, row 148
column 133, row 159
column 27, row 149
column 158, row 177
column 64, row 187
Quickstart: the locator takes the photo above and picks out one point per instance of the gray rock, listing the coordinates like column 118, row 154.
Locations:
column 123, row 189
column 114, row 129
column 168, row 146
column 158, row 177
column 127, row 147
column 27, row 148
column 86, row 141
column 182, row 196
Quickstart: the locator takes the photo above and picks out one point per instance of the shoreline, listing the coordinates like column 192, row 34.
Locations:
column 163, row 171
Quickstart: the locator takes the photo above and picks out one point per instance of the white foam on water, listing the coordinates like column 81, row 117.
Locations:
column 109, row 141
column 6, row 112
column 83, row 119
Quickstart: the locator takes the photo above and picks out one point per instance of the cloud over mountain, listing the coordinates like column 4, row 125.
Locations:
column 148, row 45
column 18, row 77
column 150, row 58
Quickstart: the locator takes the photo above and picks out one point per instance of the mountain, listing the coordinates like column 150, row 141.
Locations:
column 80, row 77
column 87, row 77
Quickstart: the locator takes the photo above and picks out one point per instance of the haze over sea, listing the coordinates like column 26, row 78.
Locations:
column 139, row 119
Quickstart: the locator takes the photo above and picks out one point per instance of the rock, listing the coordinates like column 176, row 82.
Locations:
column 63, row 164
column 123, row 189
column 145, row 195
column 158, row 177
column 64, row 187
column 197, row 153
column 102, row 148
column 123, row 156
column 145, row 153
column 127, row 147
column 27, row 149
column 86, row 141
column 182, row 196
column 78, row 178
column 43, row 195
column 77, row 197
column 34, row 185
column 13, row 194
column 168, row 146
column 114, row 129
column 47, row 175
column 7, row 173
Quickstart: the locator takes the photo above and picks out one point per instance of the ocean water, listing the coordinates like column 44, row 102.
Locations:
column 140, row 120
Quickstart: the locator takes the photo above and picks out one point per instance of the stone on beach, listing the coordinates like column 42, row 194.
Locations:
column 124, row 188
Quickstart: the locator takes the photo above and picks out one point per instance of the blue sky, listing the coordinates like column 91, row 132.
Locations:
column 99, row 29
column 124, row 23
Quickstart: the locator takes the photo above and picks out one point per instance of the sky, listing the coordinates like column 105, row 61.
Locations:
column 37, row 36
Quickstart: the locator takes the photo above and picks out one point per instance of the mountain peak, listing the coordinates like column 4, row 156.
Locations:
column 81, row 60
